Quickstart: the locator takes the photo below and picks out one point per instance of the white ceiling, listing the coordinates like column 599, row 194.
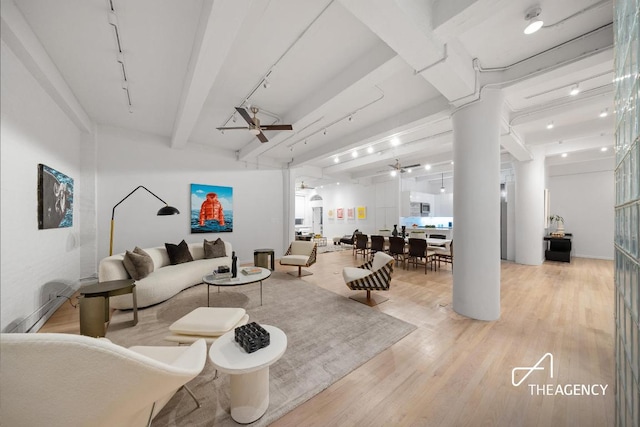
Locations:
column 397, row 69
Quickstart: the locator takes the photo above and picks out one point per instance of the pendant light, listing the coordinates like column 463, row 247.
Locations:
column 442, row 188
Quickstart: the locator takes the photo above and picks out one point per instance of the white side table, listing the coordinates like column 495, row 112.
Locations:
column 249, row 372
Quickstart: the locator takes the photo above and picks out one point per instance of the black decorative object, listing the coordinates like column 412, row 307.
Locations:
column 222, row 269
column 252, row 337
column 404, row 231
column 234, row 264
column 394, row 233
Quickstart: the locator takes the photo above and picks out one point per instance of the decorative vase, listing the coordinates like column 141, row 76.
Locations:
column 394, row 233
column 404, row 231
column 234, row 264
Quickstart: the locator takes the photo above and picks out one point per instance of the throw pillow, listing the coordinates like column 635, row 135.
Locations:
column 138, row 263
column 214, row 249
column 178, row 254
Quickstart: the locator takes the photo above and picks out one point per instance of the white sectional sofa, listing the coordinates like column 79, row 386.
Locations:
column 165, row 280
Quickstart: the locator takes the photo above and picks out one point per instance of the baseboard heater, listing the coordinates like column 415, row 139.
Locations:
column 56, row 292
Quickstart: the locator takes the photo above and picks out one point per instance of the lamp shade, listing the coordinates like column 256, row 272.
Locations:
column 168, row 210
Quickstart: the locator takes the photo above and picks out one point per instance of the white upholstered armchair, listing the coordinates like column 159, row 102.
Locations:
column 300, row 254
column 73, row 380
column 374, row 275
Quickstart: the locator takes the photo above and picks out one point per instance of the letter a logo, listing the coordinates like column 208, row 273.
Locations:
column 530, row 369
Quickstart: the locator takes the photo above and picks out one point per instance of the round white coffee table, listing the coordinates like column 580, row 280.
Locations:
column 249, row 372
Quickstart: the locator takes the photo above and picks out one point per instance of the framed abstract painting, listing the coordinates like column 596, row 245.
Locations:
column 211, row 209
column 55, row 198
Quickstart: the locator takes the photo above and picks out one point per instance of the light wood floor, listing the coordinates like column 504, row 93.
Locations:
column 454, row 371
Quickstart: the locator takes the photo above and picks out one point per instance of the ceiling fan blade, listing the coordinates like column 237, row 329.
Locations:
column 245, row 115
column 276, row 127
column 411, row 166
column 233, row 128
column 261, row 137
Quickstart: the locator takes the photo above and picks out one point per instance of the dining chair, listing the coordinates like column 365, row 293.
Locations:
column 437, row 236
column 397, row 249
column 444, row 254
column 377, row 245
column 418, row 252
column 362, row 245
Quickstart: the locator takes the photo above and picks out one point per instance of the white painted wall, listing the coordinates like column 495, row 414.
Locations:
column 33, row 130
column 127, row 159
column 583, row 194
column 348, row 196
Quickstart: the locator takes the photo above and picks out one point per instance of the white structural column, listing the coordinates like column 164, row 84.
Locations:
column 476, row 207
column 530, row 183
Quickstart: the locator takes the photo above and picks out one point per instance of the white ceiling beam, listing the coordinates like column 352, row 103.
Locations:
column 406, row 27
column 551, row 109
column 573, row 55
column 595, row 126
column 428, row 111
column 19, row 36
column 218, row 28
column 453, row 17
column 577, row 145
column 437, row 150
column 362, row 75
column 511, row 140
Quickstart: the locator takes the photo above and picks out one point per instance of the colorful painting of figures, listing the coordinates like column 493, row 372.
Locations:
column 55, row 198
column 211, row 209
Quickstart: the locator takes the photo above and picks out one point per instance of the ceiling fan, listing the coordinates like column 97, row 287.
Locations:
column 303, row 186
column 402, row 169
column 255, row 128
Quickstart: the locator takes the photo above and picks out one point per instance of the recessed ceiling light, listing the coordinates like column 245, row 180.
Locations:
column 604, row 113
column 370, row 149
column 409, row 170
column 575, row 89
column 550, row 125
column 534, row 23
column 564, row 154
column 395, row 141
column 354, row 154
column 603, row 149
column 336, row 160
column 393, row 173
column 451, row 162
column 337, row 183
column 427, row 167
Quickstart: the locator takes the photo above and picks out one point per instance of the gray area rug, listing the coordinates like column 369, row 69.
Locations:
column 328, row 336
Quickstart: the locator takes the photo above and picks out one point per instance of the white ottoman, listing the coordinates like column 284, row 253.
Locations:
column 206, row 322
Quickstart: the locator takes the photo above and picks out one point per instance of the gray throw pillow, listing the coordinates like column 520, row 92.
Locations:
column 138, row 263
column 214, row 249
column 178, row 254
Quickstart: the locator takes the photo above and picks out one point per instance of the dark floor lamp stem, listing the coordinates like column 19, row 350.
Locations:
column 165, row 210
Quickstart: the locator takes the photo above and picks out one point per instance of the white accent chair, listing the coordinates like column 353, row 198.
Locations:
column 300, row 254
column 72, row 380
column 374, row 275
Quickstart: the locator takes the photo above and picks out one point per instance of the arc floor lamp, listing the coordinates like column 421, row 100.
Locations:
column 165, row 210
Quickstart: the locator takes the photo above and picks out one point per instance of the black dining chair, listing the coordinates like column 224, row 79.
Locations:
column 418, row 253
column 397, row 249
column 437, row 236
column 377, row 244
column 362, row 245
